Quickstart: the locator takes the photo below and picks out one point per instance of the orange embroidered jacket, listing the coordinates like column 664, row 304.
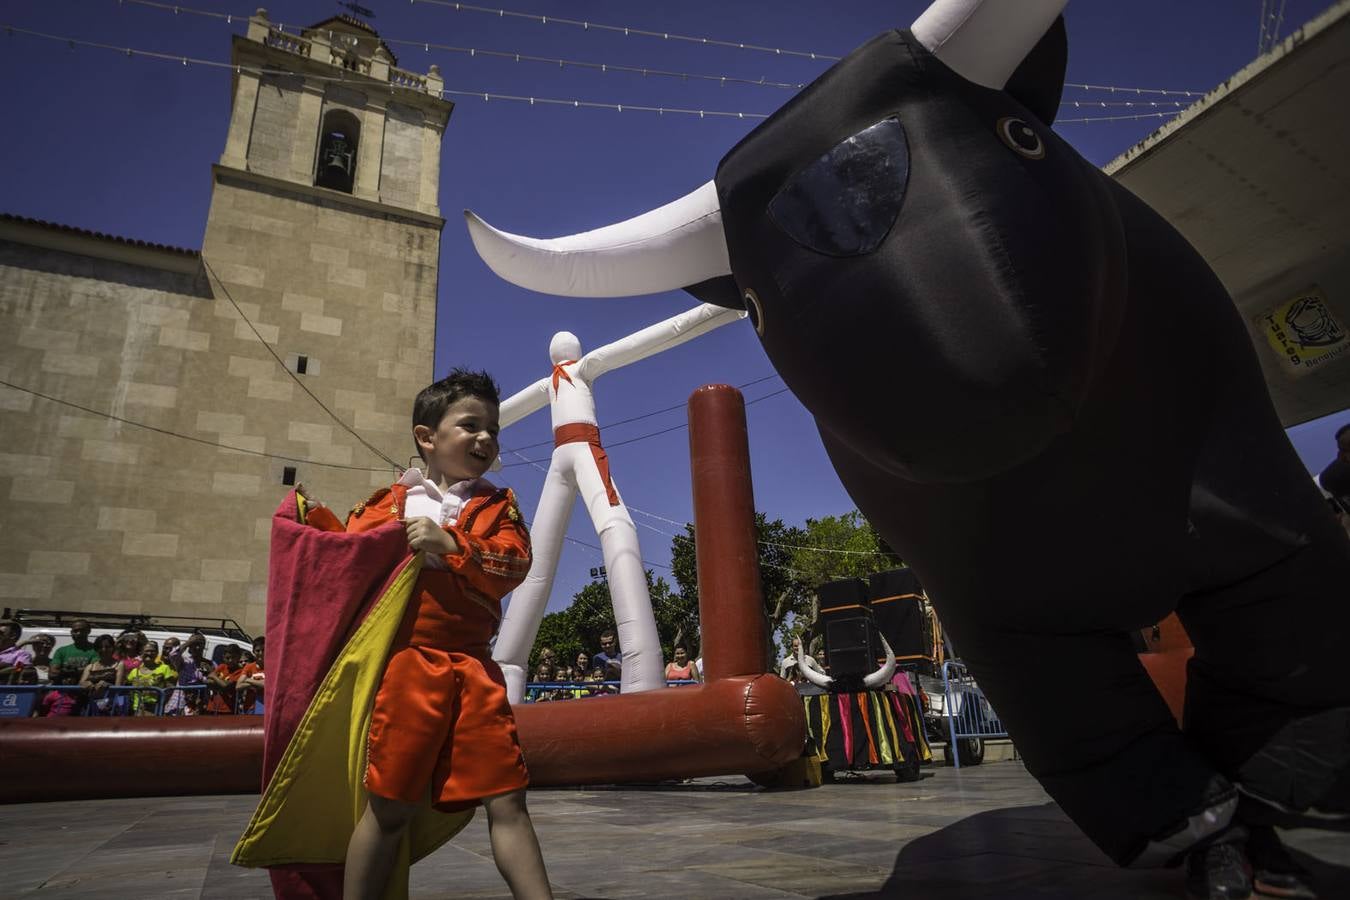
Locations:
column 494, row 544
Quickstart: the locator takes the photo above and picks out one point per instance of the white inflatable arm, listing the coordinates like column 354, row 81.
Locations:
column 522, row 403
column 655, row 339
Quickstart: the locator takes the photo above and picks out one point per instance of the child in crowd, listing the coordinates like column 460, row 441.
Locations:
column 250, row 686
column 153, row 672
column 441, row 692
column 62, row 703
column 224, row 680
column 193, row 665
column 129, row 646
column 598, row 676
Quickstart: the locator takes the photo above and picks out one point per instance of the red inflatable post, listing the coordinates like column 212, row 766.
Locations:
column 725, row 539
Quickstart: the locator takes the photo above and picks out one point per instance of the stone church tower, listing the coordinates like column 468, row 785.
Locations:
column 324, row 236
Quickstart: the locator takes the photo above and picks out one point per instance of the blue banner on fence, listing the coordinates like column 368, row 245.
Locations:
column 16, row 704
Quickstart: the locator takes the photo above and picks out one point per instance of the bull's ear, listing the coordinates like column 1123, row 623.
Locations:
column 719, row 291
column 1038, row 83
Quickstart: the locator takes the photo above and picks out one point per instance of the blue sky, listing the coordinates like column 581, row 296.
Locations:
column 124, row 145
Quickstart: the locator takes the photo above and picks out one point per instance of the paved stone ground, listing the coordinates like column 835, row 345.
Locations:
column 986, row 832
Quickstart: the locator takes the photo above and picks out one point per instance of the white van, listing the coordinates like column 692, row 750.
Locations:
column 219, row 632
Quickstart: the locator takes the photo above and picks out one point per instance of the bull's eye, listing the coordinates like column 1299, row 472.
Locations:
column 846, row 201
column 1020, row 136
column 755, row 311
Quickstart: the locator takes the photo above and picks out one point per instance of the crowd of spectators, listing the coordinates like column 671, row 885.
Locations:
column 589, row 675
column 86, row 676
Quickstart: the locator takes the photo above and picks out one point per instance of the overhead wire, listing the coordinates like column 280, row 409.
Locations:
column 443, row 93
column 627, row 30
column 1107, row 104
column 1126, row 118
column 475, row 52
column 187, row 437
column 1117, row 89
column 648, row 415
column 630, row 30
column 642, row 437
column 294, row 377
column 685, row 537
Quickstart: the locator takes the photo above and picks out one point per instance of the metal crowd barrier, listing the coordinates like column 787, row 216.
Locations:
column 968, row 713
column 19, row 700
column 572, row 690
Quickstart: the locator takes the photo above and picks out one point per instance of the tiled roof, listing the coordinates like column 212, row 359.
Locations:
column 84, row 232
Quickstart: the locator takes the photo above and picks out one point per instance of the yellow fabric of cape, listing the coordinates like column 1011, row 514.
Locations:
column 316, row 796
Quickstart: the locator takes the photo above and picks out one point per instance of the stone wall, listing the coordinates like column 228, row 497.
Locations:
column 106, row 516
column 272, row 141
column 401, row 162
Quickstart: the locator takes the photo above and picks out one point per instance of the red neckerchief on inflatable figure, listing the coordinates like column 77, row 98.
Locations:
column 1009, row 400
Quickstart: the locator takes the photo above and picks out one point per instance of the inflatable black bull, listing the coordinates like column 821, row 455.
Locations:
column 1017, row 366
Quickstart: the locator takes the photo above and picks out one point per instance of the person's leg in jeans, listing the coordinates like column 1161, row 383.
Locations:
column 1095, row 732
column 1268, row 690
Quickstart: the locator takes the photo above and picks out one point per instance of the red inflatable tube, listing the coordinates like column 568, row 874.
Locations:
column 78, row 758
column 737, row 725
column 741, row 721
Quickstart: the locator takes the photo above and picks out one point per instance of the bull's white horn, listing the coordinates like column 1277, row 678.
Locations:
column 669, row 248
column 984, row 41
column 882, row 675
column 807, row 666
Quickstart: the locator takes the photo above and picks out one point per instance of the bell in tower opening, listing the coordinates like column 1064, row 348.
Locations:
column 337, row 152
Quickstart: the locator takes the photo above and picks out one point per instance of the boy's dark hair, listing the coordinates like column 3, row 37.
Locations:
column 1340, row 431
column 434, row 399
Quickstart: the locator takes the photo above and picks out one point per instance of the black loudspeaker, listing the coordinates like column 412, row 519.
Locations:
column 897, row 608
column 845, row 594
column 848, row 629
column 848, row 646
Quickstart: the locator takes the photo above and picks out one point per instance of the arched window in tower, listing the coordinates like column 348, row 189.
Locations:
column 338, row 139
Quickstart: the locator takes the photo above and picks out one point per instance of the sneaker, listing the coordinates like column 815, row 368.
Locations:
column 1303, row 771
column 1275, row 874
column 1219, row 871
column 1282, row 884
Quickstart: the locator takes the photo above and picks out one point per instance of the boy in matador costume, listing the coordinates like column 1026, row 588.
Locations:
column 432, row 736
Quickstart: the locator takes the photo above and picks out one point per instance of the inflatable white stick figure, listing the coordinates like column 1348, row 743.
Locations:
column 579, row 465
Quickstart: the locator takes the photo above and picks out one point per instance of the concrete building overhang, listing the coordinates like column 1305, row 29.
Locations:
column 1256, row 175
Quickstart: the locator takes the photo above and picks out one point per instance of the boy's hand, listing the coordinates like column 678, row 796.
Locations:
column 425, row 534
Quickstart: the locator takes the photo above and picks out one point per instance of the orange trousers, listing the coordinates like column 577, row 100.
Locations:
column 441, row 718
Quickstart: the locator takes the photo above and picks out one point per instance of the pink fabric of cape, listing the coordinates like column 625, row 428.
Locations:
column 320, row 586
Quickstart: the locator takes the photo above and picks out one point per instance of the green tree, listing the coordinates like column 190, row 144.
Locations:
column 784, row 594
column 835, row 547
column 793, row 562
column 591, row 613
column 845, row 546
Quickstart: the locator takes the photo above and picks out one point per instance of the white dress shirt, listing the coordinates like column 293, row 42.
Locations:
column 425, row 500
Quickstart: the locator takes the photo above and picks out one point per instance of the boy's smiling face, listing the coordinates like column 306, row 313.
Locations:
column 464, row 444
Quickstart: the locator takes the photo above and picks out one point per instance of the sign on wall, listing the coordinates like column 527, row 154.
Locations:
column 1304, row 333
